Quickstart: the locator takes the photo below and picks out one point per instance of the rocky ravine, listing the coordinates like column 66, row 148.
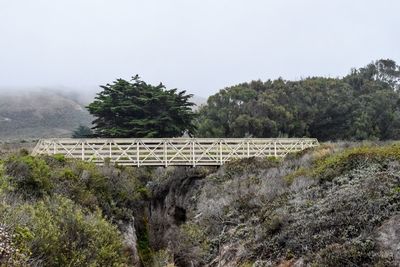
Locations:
column 321, row 208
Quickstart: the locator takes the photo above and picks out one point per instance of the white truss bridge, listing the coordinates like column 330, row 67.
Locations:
column 172, row 151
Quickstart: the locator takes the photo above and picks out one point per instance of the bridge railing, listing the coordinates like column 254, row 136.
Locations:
column 172, row 151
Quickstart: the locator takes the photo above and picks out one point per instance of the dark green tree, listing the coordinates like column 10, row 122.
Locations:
column 82, row 132
column 137, row 109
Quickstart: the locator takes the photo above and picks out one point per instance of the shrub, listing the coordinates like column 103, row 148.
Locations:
column 9, row 255
column 191, row 244
column 4, row 183
column 115, row 191
column 297, row 173
column 273, row 224
column 327, row 164
column 60, row 158
column 57, row 232
column 162, row 258
column 30, row 176
column 143, row 243
column 250, row 165
column 355, row 253
column 334, row 165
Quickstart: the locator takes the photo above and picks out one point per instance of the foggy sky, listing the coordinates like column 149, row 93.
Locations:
column 198, row 45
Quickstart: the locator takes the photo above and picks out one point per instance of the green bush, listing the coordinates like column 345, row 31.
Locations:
column 250, row 165
column 334, row 165
column 4, row 183
column 194, row 245
column 297, row 173
column 30, row 176
column 143, row 243
column 114, row 191
column 356, row 253
column 9, row 254
column 61, row 211
column 273, row 224
column 328, row 166
column 60, row 158
column 57, row 232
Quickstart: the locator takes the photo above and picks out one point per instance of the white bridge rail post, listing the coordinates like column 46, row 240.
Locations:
column 173, row 151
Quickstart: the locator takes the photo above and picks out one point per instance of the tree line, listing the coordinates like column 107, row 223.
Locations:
column 365, row 104
column 362, row 105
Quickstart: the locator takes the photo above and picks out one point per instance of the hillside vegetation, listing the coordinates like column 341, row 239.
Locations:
column 37, row 114
column 335, row 205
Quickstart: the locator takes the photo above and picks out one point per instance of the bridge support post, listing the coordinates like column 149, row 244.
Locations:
column 165, row 153
column 193, row 153
column 220, row 152
column 83, row 150
column 137, row 153
column 110, row 150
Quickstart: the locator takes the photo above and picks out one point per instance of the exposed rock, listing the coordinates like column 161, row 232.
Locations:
column 389, row 238
column 130, row 239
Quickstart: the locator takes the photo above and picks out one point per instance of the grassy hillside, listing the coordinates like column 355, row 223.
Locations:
column 39, row 114
column 335, row 205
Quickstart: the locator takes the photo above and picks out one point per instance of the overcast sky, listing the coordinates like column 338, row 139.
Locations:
column 197, row 45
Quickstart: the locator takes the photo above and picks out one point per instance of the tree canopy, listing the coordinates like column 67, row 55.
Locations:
column 137, row 109
column 362, row 105
column 82, row 131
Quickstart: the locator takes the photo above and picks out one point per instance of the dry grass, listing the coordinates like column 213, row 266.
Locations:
column 8, row 148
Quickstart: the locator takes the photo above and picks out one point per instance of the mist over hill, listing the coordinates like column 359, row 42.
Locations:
column 41, row 113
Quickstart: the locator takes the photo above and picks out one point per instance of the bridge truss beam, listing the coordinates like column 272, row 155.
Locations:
column 173, row 151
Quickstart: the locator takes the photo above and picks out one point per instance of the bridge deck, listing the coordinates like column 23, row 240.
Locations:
column 172, row 151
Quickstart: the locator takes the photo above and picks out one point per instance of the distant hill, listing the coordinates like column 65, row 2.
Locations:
column 38, row 114
column 46, row 113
